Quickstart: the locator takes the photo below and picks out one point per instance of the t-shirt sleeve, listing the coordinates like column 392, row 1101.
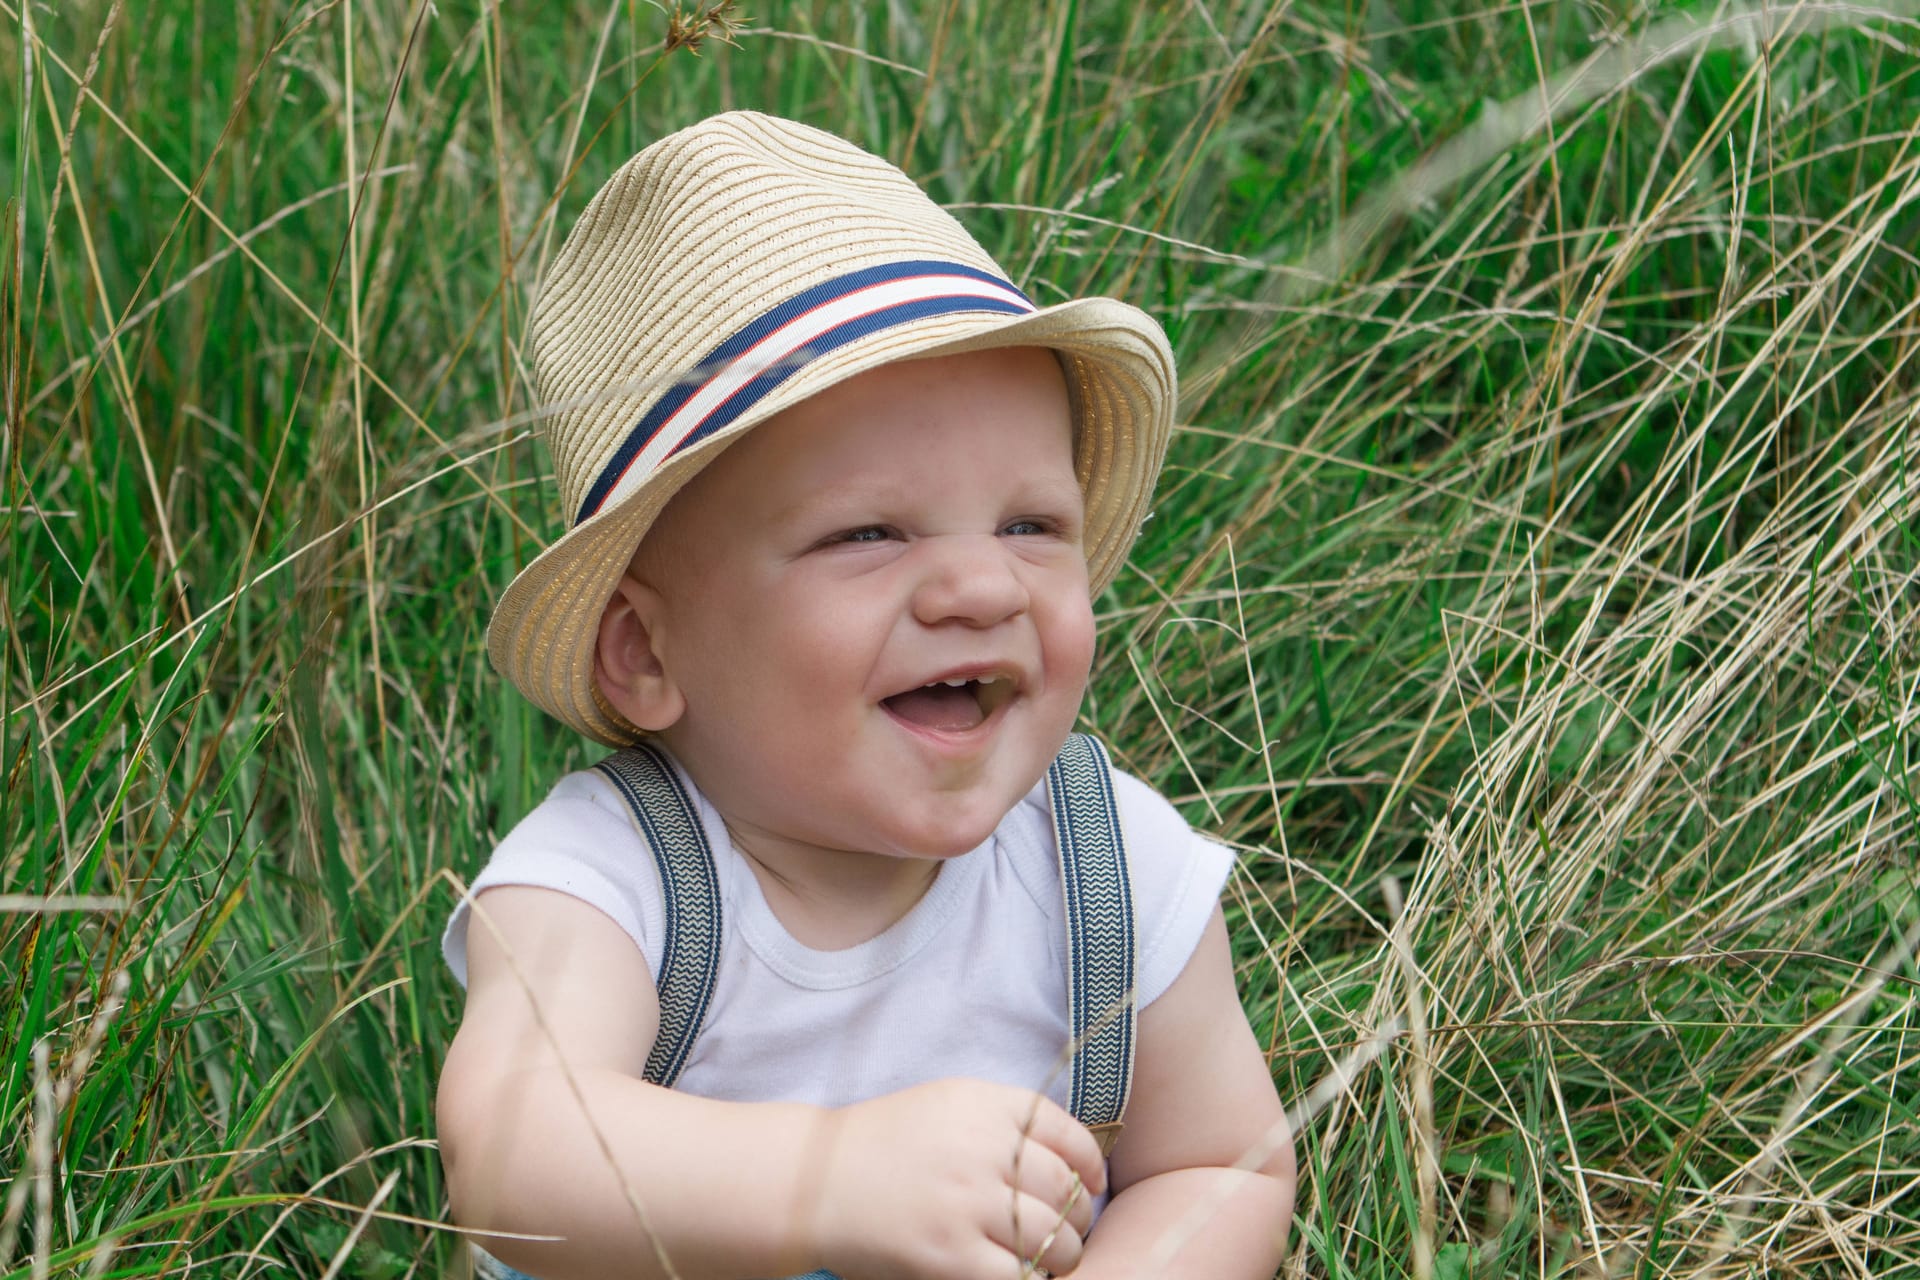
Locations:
column 581, row 841
column 1177, row 875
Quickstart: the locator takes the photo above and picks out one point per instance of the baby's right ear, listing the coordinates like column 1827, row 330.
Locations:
column 626, row 664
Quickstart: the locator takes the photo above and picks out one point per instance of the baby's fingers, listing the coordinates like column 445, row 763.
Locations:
column 1057, row 1131
column 1039, row 1233
column 1047, row 1178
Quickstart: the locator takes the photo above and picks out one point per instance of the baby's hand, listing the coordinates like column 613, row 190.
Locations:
column 955, row 1180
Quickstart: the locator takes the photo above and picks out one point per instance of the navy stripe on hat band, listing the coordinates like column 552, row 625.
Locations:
column 757, row 388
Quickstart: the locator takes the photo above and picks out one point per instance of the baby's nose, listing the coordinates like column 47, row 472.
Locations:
column 968, row 579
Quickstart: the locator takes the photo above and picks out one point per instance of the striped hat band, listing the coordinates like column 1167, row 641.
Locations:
column 747, row 367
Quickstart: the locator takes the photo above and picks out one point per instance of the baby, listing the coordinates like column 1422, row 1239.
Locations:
column 841, row 496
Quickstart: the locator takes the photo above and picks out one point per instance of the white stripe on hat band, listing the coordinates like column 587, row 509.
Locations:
column 788, row 343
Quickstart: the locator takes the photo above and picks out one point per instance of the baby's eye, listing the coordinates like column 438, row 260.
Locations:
column 866, row 533
column 1025, row 528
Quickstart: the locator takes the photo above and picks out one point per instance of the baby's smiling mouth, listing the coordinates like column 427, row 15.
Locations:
column 952, row 705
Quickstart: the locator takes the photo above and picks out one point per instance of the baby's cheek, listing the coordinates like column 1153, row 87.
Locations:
column 1070, row 647
column 1080, row 623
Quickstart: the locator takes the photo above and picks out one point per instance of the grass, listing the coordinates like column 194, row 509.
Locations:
column 1531, row 596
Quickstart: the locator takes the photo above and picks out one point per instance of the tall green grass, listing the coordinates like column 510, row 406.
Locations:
column 1531, row 594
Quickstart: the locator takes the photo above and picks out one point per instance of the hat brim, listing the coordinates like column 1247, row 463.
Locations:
column 1120, row 377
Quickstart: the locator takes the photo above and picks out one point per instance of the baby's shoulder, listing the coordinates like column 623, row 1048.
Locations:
column 580, row 841
column 1145, row 811
column 584, row 797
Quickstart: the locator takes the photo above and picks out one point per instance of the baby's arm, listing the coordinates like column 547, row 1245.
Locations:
column 922, row 1182
column 1204, row 1169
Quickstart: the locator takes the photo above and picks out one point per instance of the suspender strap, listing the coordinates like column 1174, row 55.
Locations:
column 690, row 958
column 1100, row 938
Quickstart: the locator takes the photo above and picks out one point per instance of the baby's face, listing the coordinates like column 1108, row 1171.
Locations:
column 875, row 607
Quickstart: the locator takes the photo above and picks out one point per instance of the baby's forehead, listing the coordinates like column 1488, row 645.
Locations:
column 787, row 487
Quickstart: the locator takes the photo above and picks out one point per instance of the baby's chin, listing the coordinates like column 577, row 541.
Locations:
column 951, row 836
column 889, row 837
column 942, row 851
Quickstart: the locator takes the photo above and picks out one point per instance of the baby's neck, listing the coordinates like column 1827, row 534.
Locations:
column 832, row 899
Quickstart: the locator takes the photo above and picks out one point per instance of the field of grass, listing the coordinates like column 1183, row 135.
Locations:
column 1533, row 594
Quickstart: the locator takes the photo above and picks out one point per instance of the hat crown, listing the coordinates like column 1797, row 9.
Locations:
column 690, row 242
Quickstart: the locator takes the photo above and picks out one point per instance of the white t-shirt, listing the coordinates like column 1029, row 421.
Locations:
column 970, row 982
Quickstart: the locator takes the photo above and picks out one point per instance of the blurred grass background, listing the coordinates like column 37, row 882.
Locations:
column 1531, row 595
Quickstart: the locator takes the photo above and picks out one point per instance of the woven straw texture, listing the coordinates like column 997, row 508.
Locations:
column 693, row 240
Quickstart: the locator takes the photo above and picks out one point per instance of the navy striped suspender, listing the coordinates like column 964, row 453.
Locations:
column 1093, row 879
column 1100, row 942
column 690, row 958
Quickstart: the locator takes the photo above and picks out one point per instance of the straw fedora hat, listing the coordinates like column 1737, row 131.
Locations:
column 730, row 271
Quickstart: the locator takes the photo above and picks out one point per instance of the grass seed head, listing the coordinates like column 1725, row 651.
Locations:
column 690, row 29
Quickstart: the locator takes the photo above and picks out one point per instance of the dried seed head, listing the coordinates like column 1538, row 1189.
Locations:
column 689, row 29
